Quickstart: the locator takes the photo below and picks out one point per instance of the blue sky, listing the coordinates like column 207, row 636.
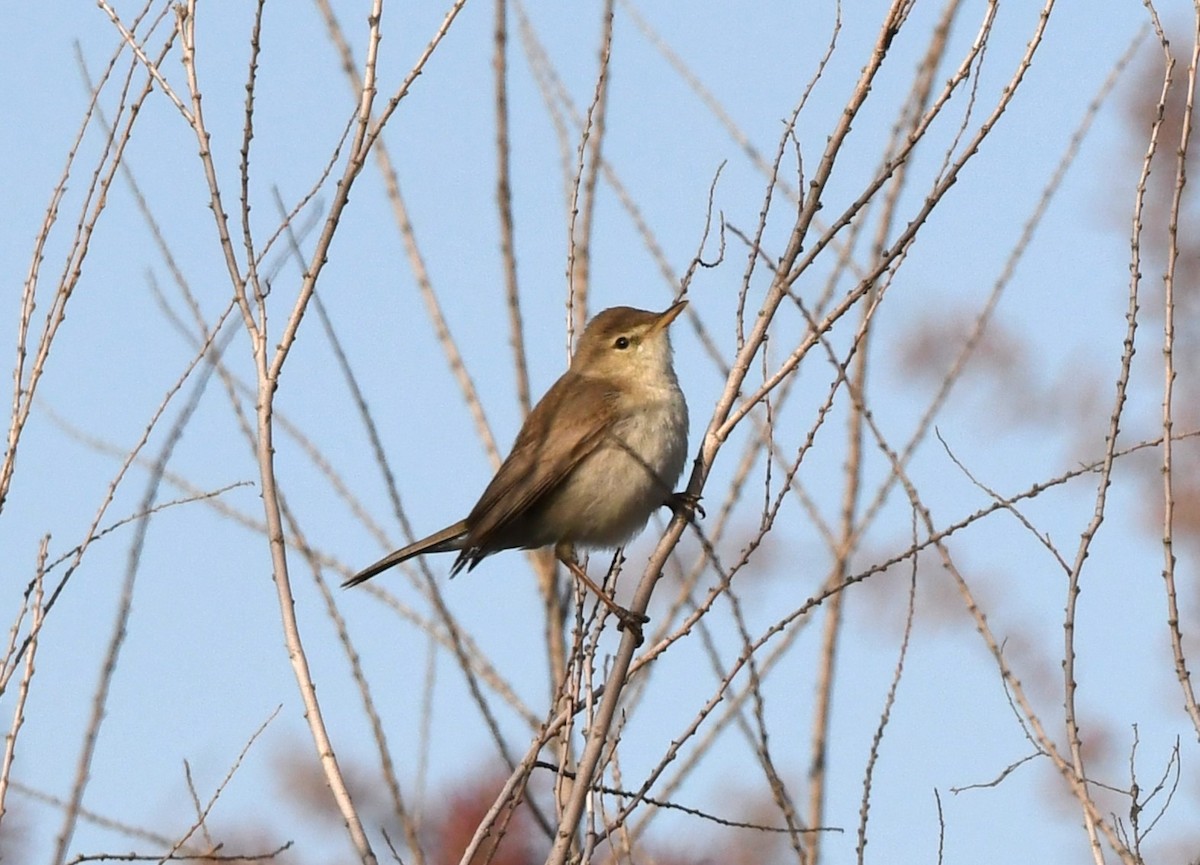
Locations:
column 203, row 663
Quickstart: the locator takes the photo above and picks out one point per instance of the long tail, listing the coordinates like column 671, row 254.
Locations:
column 449, row 538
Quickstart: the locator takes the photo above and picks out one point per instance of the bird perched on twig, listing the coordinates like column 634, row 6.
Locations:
column 597, row 455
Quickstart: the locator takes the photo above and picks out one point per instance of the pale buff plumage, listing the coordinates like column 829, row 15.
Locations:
column 596, row 456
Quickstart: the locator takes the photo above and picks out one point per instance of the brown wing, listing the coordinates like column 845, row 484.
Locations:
column 534, row 469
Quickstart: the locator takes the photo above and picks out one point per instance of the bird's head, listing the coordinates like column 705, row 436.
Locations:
column 627, row 345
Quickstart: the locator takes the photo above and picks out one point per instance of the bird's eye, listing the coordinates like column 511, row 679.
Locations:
column 621, row 343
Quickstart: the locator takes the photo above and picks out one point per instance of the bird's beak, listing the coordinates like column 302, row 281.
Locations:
column 669, row 316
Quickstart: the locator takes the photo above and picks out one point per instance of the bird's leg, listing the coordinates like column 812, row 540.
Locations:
column 685, row 505
column 627, row 619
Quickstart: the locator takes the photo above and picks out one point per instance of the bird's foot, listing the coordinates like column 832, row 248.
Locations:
column 685, row 505
column 628, row 620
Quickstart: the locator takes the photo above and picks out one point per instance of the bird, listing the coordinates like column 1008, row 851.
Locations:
column 597, row 455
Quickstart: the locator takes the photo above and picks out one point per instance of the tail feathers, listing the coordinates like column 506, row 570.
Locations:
column 468, row 557
column 449, row 538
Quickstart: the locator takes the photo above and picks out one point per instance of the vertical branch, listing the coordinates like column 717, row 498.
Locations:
column 888, row 703
column 850, row 528
column 247, row 137
column 832, row 626
column 269, row 371
column 453, row 637
column 37, row 616
column 724, row 417
column 717, row 430
column 22, row 398
column 186, row 24
column 420, row 271
column 146, row 508
column 108, row 669
column 268, row 380
column 504, row 205
column 1168, row 350
column 549, row 586
column 95, row 201
column 553, row 93
column 1068, row 768
column 387, row 766
column 583, row 189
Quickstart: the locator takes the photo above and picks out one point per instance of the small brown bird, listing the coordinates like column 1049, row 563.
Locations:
column 596, row 456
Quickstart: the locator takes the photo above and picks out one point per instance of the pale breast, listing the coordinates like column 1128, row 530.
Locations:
column 611, row 494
